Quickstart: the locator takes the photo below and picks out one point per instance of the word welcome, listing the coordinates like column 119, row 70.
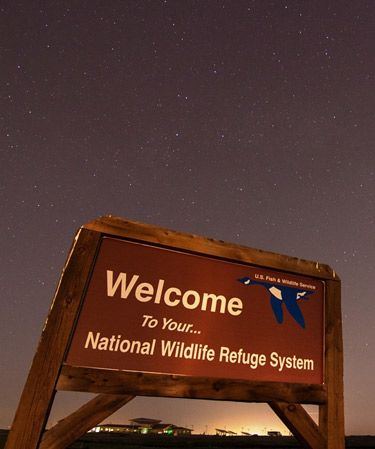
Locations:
column 171, row 296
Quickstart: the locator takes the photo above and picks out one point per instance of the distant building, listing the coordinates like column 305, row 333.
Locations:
column 274, row 433
column 143, row 426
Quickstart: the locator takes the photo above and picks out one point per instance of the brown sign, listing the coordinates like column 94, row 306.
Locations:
column 203, row 319
column 156, row 310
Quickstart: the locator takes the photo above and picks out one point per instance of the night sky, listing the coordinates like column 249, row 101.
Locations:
column 247, row 121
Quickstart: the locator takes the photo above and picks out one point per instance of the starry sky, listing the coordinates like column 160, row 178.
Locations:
column 247, row 121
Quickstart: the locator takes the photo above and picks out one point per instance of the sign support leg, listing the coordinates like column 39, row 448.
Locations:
column 70, row 429
column 37, row 397
column 299, row 422
column 331, row 414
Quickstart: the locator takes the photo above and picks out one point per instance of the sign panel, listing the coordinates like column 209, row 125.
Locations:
column 157, row 310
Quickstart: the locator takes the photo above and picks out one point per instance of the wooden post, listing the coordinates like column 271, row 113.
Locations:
column 36, row 400
column 331, row 414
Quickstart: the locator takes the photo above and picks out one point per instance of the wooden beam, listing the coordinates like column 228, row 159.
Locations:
column 37, row 397
column 299, row 422
column 331, row 414
column 95, row 380
column 142, row 232
column 70, row 429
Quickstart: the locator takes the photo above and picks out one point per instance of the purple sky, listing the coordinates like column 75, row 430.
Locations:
column 247, row 121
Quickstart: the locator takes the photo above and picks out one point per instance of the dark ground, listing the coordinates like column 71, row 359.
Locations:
column 112, row 441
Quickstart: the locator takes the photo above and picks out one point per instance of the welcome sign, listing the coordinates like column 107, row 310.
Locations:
column 146, row 311
column 158, row 310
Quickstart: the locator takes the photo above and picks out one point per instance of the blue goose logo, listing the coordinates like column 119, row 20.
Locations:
column 280, row 295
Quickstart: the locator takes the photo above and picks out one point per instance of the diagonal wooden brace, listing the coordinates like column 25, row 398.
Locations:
column 70, row 429
column 300, row 423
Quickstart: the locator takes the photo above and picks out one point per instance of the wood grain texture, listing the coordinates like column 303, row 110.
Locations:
column 38, row 393
column 331, row 415
column 120, row 227
column 299, row 422
column 70, row 429
column 145, row 384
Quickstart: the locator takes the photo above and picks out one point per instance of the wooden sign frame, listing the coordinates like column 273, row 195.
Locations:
column 49, row 373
